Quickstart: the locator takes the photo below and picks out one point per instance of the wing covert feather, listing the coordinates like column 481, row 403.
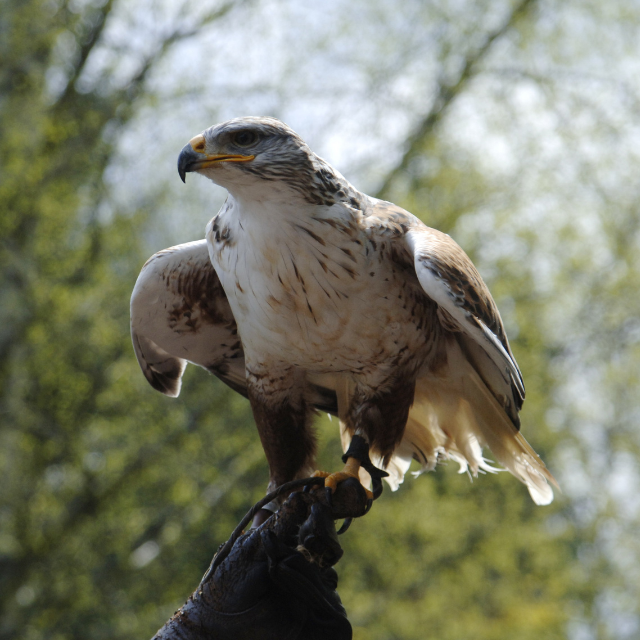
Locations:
column 466, row 307
column 180, row 314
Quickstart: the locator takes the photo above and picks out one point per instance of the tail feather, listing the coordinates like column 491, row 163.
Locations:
column 453, row 417
column 499, row 434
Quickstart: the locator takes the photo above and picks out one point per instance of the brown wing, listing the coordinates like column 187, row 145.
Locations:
column 180, row 314
column 466, row 307
column 472, row 399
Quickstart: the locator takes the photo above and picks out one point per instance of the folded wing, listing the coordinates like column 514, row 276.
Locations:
column 475, row 400
column 180, row 314
column 470, row 398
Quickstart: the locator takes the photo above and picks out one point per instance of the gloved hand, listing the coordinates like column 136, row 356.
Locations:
column 277, row 582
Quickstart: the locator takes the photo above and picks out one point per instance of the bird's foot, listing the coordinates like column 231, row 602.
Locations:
column 332, row 480
column 359, row 450
column 356, row 456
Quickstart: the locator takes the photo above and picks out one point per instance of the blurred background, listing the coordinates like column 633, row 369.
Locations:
column 512, row 125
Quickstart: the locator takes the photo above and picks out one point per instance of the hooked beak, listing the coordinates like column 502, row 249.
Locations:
column 193, row 157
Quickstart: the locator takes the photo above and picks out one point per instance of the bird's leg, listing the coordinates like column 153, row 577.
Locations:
column 283, row 417
column 377, row 414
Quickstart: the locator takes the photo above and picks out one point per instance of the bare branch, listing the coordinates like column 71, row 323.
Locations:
column 86, row 48
column 179, row 34
column 447, row 92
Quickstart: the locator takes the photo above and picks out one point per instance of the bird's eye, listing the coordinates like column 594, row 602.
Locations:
column 244, row 138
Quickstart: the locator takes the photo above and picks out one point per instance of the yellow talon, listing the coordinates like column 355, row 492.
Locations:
column 332, row 480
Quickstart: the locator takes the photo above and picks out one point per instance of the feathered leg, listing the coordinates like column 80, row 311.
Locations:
column 283, row 417
column 375, row 419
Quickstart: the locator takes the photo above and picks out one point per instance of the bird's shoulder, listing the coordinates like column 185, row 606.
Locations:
column 438, row 253
column 384, row 219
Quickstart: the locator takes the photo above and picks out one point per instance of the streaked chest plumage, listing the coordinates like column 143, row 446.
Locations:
column 316, row 291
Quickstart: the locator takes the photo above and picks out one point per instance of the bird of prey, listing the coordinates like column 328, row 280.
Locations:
column 309, row 295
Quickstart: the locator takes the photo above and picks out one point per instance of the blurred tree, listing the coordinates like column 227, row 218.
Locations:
column 90, row 463
column 114, row 498
column 554, row 213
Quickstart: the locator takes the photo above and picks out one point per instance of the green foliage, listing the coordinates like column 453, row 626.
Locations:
column 114, row 497
column 93, row 465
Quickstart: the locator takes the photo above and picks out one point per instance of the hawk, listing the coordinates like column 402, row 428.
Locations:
column 309, row 295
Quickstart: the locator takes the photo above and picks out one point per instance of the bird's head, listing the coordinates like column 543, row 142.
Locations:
column 255, row 154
